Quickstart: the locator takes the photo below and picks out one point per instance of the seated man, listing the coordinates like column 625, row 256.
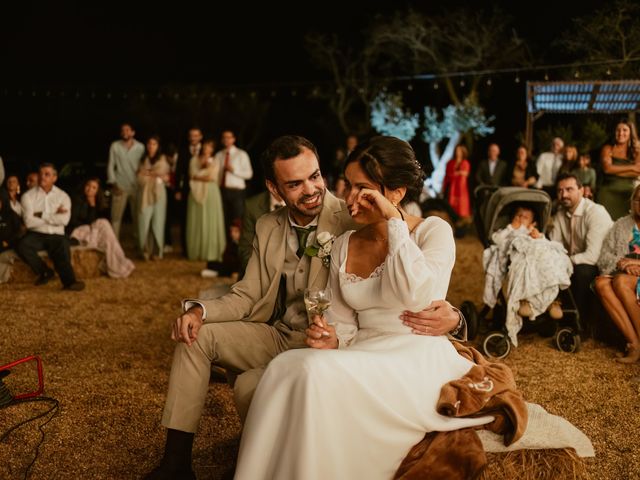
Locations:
column 580, row 225
column 264, row 313
column 46, row 211
column 536, row 269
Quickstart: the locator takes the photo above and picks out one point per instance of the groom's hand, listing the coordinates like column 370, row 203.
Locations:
column 187, row 325
column 439, row 318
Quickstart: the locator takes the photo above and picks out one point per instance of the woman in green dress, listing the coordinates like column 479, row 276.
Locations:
column 621, row 166
column 206, row 238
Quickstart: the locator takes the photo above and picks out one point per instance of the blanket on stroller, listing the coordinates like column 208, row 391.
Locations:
column 536, row 270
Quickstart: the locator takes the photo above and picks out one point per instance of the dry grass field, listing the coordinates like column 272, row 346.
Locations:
column 106, row 353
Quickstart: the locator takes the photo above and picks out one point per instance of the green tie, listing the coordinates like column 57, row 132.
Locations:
column 303, row 234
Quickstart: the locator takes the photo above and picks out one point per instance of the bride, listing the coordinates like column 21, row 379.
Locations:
column 354, row 404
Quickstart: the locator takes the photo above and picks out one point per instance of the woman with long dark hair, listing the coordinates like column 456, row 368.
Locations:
column 618, row 285
column 90, row 226
column 620, row 162
column 153, row 174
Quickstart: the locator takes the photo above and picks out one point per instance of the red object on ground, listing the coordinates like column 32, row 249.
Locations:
column 38, row 361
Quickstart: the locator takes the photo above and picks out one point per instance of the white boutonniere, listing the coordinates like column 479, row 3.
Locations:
column 322, row 248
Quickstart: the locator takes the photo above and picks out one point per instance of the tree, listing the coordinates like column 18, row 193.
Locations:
column 455, row 41
column 412, row 43
column 357, row 78
column 389, row 117
column 611, row 33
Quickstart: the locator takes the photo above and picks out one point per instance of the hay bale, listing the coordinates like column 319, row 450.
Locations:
column 85, row 262
column 555, row 464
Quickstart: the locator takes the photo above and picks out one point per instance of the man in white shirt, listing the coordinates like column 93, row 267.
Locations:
column 235, row 168
column 548, row 164
column 124, row 159
column 46, row 210
column 580, row 225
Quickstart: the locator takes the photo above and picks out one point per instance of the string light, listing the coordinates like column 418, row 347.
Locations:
column 311, row 89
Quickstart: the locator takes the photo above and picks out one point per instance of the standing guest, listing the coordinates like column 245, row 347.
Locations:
column 524, row 173
column 124, row 159
column 31, row 180
column 205, row 218
column 621, row 166
column 455, row 184
column 12, row 196
column 192, row 149
column 152, row 176
column 619, row 281
column 586, row 174
column 569, row 159
column 492, row 171
column 548, row 165
column 10, row 231
column 171, row 155
column 235, row 170
column 46, row 211
column 580, row 225
column 91, row 228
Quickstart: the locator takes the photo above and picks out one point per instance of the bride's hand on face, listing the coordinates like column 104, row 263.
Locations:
column 374, row 201
column 321, row 335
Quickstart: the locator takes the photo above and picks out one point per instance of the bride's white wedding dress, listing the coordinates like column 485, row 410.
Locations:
column 355, row 412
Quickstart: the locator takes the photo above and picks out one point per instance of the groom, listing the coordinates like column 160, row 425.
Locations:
column 264, row 313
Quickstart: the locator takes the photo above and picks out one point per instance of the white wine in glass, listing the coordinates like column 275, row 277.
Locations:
column 317, row 301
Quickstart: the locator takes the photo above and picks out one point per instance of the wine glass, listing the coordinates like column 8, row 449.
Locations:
column 317, row 301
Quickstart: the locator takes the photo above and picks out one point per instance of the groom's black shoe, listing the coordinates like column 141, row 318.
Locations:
column 176, row 463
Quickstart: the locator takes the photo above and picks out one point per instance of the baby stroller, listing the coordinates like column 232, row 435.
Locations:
column 493, row 212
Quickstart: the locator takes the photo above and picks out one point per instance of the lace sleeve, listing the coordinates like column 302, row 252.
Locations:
column 341, row 315
column 418, row 272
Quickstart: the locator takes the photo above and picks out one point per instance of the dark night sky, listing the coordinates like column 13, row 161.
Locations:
column 79, row 46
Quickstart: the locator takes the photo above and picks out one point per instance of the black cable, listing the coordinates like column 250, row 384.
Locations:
column 54, row 409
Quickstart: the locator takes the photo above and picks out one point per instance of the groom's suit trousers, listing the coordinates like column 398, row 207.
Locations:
column 242, row 348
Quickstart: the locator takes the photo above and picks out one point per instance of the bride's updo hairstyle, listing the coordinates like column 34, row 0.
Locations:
column 391, row 163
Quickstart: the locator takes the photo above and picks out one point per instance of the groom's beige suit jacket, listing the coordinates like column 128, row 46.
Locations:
column 255, row 297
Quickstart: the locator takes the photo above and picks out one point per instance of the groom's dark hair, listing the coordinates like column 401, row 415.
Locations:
column 283, row 148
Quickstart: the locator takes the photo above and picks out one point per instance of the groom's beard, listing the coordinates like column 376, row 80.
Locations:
column 309, row 206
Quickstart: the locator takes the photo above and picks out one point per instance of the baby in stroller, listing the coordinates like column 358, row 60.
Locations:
column 535, row 268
